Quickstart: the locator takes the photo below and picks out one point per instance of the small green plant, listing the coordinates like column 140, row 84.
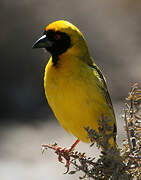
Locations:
column 113, row 163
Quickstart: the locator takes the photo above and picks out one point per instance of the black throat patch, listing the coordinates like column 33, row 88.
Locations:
column 55, row 60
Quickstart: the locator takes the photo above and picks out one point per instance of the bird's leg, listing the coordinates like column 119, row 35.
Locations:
column 74, row 145
column 65, row 154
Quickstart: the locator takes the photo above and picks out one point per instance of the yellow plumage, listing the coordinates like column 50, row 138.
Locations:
column 75, row 87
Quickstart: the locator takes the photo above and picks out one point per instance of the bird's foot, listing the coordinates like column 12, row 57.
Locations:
column 62, row 153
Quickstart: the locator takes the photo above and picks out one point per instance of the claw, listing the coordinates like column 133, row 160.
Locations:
column 64, row 153
column 60, row 159
column 67, row 166
column 58, row 149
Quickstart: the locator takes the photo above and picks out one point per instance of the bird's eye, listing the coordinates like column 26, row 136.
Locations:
column 57, row 37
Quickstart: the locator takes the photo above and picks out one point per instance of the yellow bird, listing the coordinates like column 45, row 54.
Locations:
column 74, row 85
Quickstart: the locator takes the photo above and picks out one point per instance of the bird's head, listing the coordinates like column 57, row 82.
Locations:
column 61, row 36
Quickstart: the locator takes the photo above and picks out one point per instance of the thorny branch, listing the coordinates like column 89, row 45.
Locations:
column 132, row 145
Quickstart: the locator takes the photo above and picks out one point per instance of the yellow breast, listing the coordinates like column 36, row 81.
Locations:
column 73, row 93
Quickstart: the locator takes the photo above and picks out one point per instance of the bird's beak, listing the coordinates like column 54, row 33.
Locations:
column 42, row 42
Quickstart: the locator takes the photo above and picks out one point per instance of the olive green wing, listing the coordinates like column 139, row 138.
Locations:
column 103, row 87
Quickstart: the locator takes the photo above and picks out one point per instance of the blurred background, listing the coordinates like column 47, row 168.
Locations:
column 113, row 32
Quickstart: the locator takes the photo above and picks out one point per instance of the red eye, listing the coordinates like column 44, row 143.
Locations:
column 57, row 36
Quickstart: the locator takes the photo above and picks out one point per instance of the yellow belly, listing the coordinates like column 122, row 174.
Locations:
column 75, row 99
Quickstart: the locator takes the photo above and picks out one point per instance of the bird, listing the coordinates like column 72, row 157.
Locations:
column 74, row 85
